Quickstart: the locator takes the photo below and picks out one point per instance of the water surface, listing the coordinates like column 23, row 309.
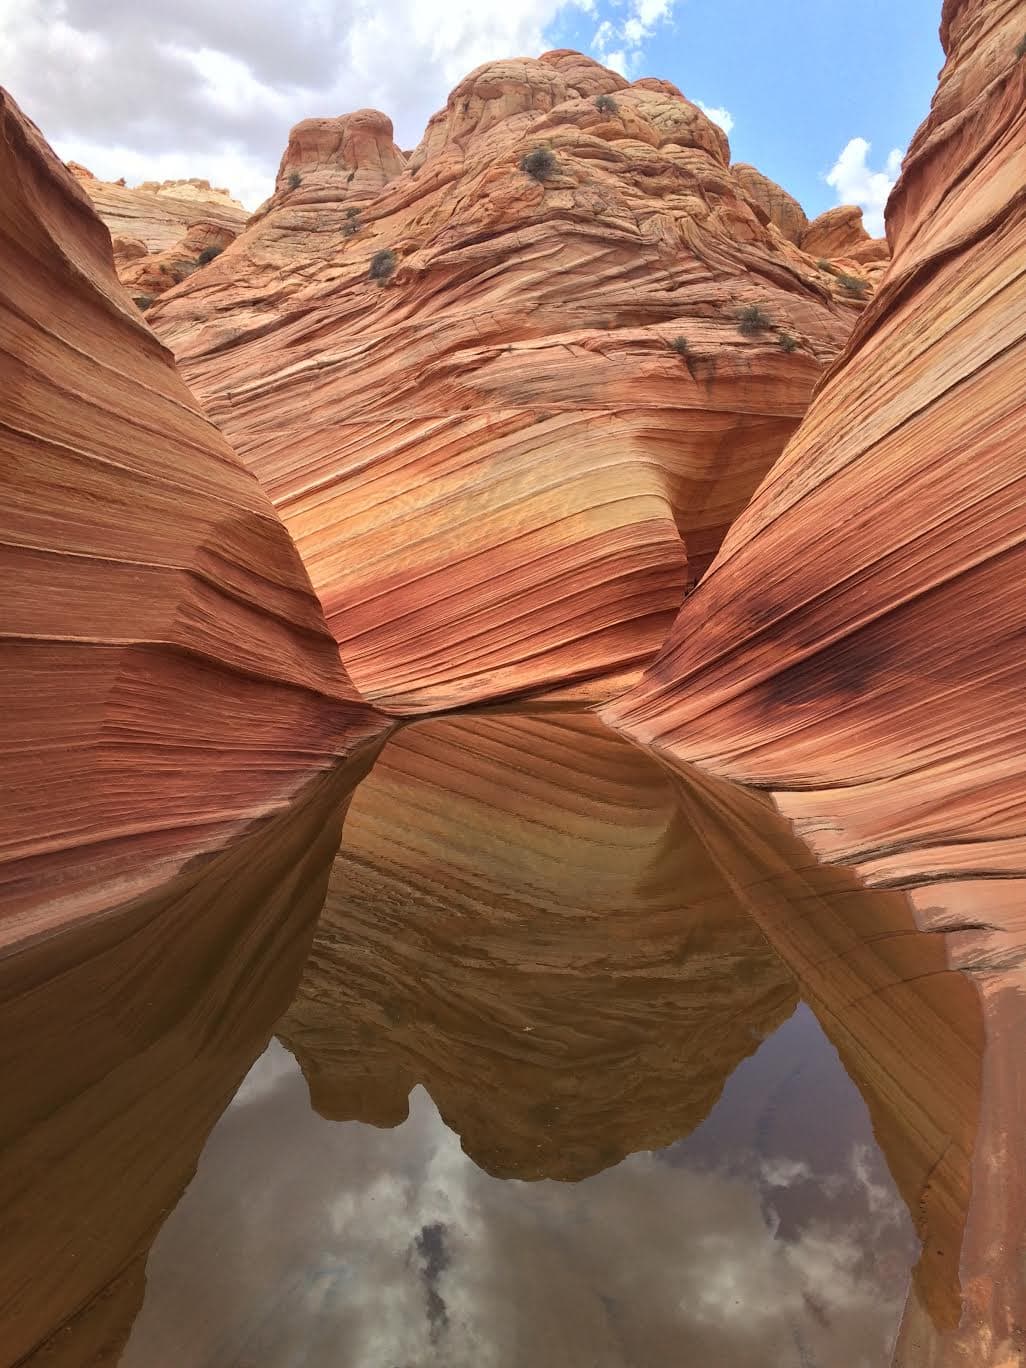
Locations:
column 587, row 1066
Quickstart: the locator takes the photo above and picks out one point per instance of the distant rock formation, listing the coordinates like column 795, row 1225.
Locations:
column 508, row 392
column 780, row 208
column 857, row 647
column 179, row 742
column 169, row 223
column 835, row 232
column 332, row 161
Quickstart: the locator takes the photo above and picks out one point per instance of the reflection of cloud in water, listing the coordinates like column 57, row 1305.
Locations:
column 304, row 1244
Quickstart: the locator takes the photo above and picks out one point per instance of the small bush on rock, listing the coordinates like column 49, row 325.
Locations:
column 539, row 163
column 787, row 342
column 295, row 180
column 751, row 320
column 208, row 254
column 142, row 301
column 1020, row 51
column 853, row 284
column 680, row 346
column 605, row 104
column 382, row 265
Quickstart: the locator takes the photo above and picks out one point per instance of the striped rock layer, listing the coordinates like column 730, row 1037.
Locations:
column 173, row 749
column 857, row 647
column 499, row 472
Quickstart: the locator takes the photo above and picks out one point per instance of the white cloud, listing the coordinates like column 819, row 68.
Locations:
column 619, row 45
column 149, row 91
column 718, row 114
column 856, row 183
column 298, row 1234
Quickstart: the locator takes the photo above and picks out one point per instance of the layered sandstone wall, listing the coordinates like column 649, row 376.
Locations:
column 177, row 744
column 508, row 417
column 857, row 645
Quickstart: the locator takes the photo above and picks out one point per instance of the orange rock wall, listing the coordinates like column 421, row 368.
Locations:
column 173, row 763
column 857, row 645
column 159, row 216
column 168, row 675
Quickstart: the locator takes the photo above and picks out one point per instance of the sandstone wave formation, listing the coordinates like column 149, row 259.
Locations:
column 837, row 238
column 509, row 392
column 857, row 645
column 162, row 232
column 498, row 405
column 173, row 760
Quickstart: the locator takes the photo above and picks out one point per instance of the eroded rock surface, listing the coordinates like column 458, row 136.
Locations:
column 160, row 228
column 499, row 472
column 175, row 732
column 857, row 646
column 780, row 208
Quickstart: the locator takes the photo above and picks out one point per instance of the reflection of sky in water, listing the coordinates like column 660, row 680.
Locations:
column 770, row 1238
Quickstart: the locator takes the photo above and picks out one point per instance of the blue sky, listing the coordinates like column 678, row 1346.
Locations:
column 800, row 78
column 154, row 89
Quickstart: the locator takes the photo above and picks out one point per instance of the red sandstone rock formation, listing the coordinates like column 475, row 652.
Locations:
column 149, row 275
column 779, row 208
column 329, row 161
column 835, row 232
column 500, row 473
column 857, row 646
column 160, row 228
column 175, row 722
column 158, row 214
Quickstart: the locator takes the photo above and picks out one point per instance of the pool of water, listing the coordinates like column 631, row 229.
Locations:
column 586, row 1063
column 771, row 1234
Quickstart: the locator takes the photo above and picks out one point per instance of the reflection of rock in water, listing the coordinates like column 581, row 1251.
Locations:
column 907, row 1027
column 520, row 920
column 142, row 1027
column 856, row 648
column 562, row 942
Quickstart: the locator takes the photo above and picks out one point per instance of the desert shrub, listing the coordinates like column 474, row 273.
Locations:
column 1020, row 51
column 827, row 266
column 295, row 180
column 680, row 346
column 539, row 163
column 751, row 320
column 208, row 254
column 853, row 283
column 605, row 104
column 787, row 342
column 142, row 301
column 382, row 265
column 352, row 212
